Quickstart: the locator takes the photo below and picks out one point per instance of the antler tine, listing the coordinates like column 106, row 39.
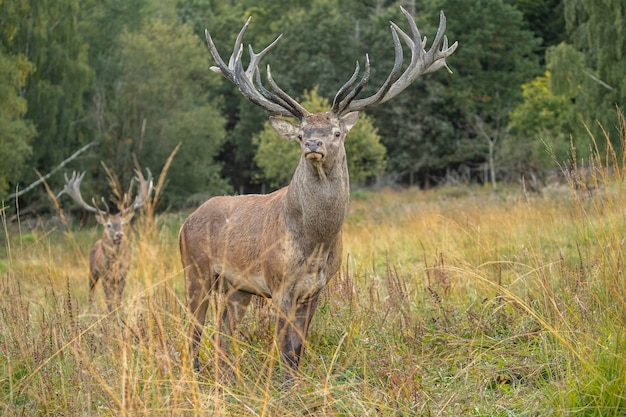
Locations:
column 243, row 79
column 422, row 62
column 256, row 58
column 68, row 181
column 104, row 203
column 440, row 52
column 238, row 48
column 342, row 91
column 145, row 187
column 393, row 76
column 268, row 94
column 72, row 188
column 299, row 111
column 357, row 89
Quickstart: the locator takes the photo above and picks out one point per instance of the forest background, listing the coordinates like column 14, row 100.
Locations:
column 131, row 80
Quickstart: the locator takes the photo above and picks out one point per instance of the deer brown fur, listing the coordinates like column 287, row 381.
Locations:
column 286, row 246
column 110, row 257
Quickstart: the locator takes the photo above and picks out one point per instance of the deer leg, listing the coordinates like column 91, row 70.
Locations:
column 197, row 296
column 120, row 289
column 93, row 280
column 236, row 304
column 109, row 292
column 293, row 326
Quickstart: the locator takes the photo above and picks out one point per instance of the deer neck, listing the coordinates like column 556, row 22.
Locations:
column 112, row 248
column 317, row 200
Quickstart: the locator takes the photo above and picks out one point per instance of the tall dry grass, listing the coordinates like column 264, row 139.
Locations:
column 450, row 302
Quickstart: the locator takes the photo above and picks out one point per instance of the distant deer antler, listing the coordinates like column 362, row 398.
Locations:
column 72, row 188
column 145, row 186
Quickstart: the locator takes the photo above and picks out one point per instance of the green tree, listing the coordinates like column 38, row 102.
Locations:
column 538, row 130
column 243, row 119
column 102, row 23
column 162, row 100
column 545, row 18
column 46, row 33
column 591, row 65
column 15, row 131
column 496, row 55
column 278, row 158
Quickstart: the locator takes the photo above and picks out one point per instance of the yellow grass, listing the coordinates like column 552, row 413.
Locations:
column 452, row 301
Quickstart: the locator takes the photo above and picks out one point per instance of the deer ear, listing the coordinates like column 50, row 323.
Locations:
column 101, row 218
column 349, row 120
column 285, row 128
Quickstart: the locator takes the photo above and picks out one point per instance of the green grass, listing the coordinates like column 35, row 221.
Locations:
column 449, row 302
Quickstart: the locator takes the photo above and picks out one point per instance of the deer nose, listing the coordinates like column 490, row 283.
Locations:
column 118, row 237
column 312, row 145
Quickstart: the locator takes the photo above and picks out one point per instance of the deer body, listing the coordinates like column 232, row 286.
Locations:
column 109, row 259
column 110, row 255
column 286, row 245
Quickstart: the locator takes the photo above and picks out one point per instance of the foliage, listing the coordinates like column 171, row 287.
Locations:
column 497, row 54
column 46, row 34
column 15, row 131
column 132, row 76
column 539, row 126
column 152, row 94
column 278, row 158
column 545, row 18
column 161, row 101
column 433, row 127
column 496, row 51
column 590, row 66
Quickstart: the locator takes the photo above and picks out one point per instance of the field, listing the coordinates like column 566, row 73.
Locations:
column 450, row 302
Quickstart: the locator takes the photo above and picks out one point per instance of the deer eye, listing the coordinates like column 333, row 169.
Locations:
column 337, row 134
column 300, row 136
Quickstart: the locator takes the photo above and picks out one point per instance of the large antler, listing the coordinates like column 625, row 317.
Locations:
column 144, row 190
column 278, row 101
column 72, row 188
column 422, row 62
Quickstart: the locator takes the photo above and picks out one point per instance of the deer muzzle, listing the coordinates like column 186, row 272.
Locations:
column 117, row 238
column 314, row 149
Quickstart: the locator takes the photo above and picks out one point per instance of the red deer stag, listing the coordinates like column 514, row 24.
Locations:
column 286, row 245
column 109, row 258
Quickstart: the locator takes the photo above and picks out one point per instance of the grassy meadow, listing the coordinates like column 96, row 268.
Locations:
column 451, row 301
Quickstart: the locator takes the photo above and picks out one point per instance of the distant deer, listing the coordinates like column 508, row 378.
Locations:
column 109, row 258
column 286, row 245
